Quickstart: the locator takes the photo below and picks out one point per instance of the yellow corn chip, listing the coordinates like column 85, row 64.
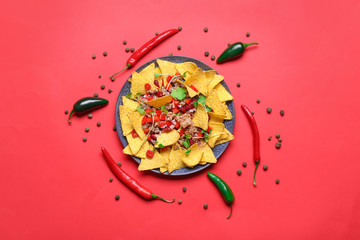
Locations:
column 151, row 163
column 126, row 125
column 194, row 157
column 201, row 117
column 210, row 75
column 167, row 138
column 199, row 81
column 158, row 102
column 215, row 104
column 188, row 67
column 129, row 79
column 223, row 94
column 228, row 115
column 216, row 118
column 130, row 104
column 191, row 92
column 208, row 156
column 225, row 137
column 215, row 81
column 176, row 156
column 217, row 130
column 167, row 68
column 135, row 119
column 148, row 73
column 141, row 153
column 138, row 84
column 134, row 143
column 166, row 156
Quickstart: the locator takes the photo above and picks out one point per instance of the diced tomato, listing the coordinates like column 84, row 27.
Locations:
column 134, row 134
column 191, row 141
column 152, row 136
column 143, row 121
column 193, row 88
column 188, row 100
column 148, row 110
column 168, row 79
column 209, row 128
column 150, row 98
column 167, row 129
column 158, row 111
column 176, row 102
column 156, row 118
column 200, row 134
column 177, row 126
column 164, row 149
column 182, row 109
column 175, row 110
column 147, row 86
column 149, row 154
column 189, row 106
column 149, row 120
column 182, row 132
column 149, row 138
column 161, row 124
column 159, row 94
column 169, row 123
column 177, row 73
column 146, row 130
column 162, row 117
column 156, row 83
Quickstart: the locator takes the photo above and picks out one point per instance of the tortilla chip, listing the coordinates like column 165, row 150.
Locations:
column 217, row 128
column 166, row 156
column 228, row 115
column 176, row 157
column 141, row 153
column 215, row 81
column 132, row 105
column 193, row 158
column 199, row 81
column 167, row 138
column 223, row 94
column 138, row 84
column 208, row 156
column 126, row 125
column 158, row 102
column 151, row 163
column 129, row 79
column 148, row 73
column 191, row 92
column 135, row 119
column 167, row 68
column 215, row 104
column 210, row 75
column 188, row 67
column 201, row 118
column 225, row 137
column 216, row 118
column 135, row 143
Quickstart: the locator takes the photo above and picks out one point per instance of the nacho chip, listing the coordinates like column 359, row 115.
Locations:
column 167, row 138
column 176, row 156
column 188, row 67
column 228, row 115
column 199, row 81
column 208, row 156
column 166, row 156
column 210, row 75
column 201, row 117
column 216, row 118
column 223, row 94
column 215, row 104
column 217, row 130
column 225, row 137
column 151, row 163
column 135, row 119
column 126, row 125
column 148, row 73
column 134, row 143
column 167, row 68
column 193, row 158
column 132, row 105
column 129, row 79
column 138, row 84
column 141, row 153
column 215, row 81
column 191, row 91
column 158, row 102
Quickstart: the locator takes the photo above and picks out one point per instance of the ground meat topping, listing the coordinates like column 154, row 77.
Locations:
column 184, row 120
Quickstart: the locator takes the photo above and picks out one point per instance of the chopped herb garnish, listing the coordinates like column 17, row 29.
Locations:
column 140, row 110
column 161, row 146
column 163, row 109
column 138, row 95
column 195, row 104
column 208, row 109
column 179, row 93
column 129, row 95
column 202, row 100
column 187, row 151
column 186, row 143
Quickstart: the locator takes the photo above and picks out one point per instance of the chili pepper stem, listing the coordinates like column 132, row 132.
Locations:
column 247, row 44
column 256, row 166
column 230, row 211
column 72, row 111
column 153, row 196
column 127, row 66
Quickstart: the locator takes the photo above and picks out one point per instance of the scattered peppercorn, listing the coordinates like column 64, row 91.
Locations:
column 124, row 42
column 206, row 53
column 238, row 84
column 277, row 135
column 84, row 139
column 117, row 197
column 66, row 111
column 105, row 54
column 127, row 49
column 258, row 101
column 90, row 116
column 212, row 57
column 252, row 112
column 238, row 172
column 179, row 28
column 278, row 145
column 244, row 164
column 282, row 112
column 109, row 90
column 102, row 86
column 180, row 202
column 229, row 44
column 280, row 139
column 269, row 138
column 96, row 95
column 87, row 129
column 269, row 109
column 248, row 34
column 265, row 167
column 156, row 33
column 114, row 128
column 170, row 54
column 98, row 124
column 93, row 56
column 206, row 29
column 99, row 76
column 132, row 49
column 111, row 179
column 184, row 189
column 277, row 181
column 112, row 79
column 179, row 47
column 206, row 206
column 119, row 164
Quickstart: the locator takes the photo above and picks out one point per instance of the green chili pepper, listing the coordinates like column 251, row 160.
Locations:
column 87, row 104
column 233, row 51
column 224, row 190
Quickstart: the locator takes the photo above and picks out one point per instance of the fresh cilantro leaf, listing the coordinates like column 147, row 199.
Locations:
column 202, row 100
column 138, row 95
column 210, row 131
column 163, row 109
column 202, row 131
column 161, row 146
column 187, row 136
column 177, row 113
column 208, row 109
column 187, row 151
column 186, row 143
column 156, row 75
column 179, row 93
column 140, row 110
column 129, row 95
column 206, row 137
column 184, row 74
column 195, row 104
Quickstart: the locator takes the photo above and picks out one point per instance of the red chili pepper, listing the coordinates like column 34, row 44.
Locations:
column 168, row 79
column 149, row 154
column 256, row 138
column 193, row 88
column 138, row 54
column 177, row 126
column 129, row 181
column 143, row 121
column 147, row 86
column 134, row 134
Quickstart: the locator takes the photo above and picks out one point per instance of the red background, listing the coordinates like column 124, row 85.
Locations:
column 55, row 186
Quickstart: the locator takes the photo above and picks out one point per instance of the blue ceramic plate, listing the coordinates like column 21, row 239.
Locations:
column 218, row 149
